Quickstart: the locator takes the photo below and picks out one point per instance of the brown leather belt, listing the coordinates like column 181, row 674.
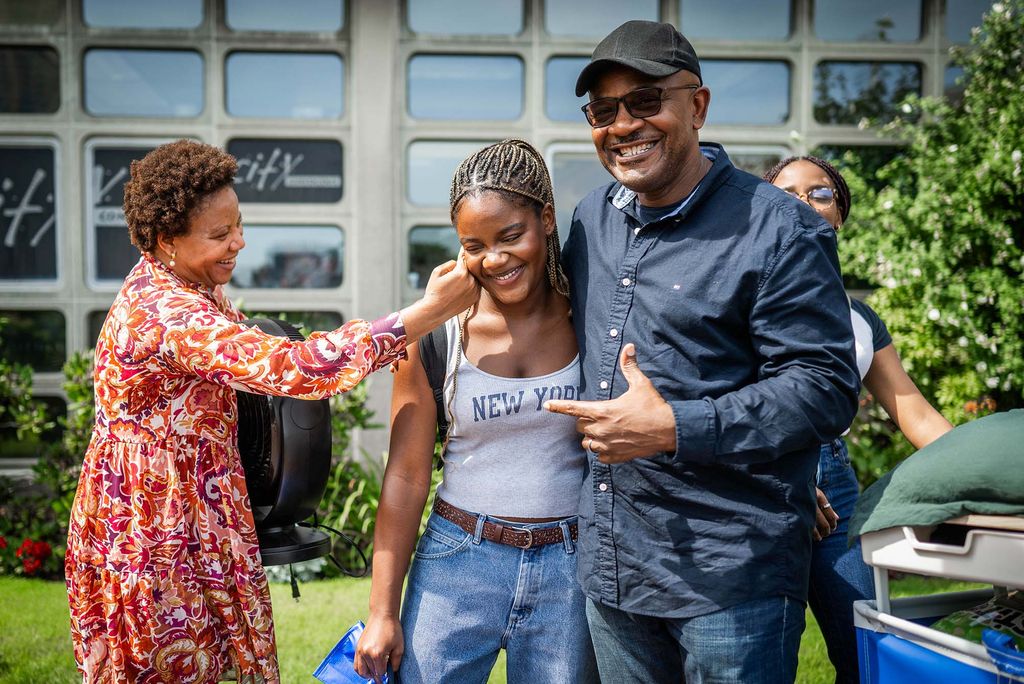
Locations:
column 519, row 537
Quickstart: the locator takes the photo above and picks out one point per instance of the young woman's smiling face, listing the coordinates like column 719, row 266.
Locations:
column 505, row 243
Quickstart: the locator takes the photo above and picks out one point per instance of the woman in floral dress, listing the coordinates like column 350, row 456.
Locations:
column 163, row 571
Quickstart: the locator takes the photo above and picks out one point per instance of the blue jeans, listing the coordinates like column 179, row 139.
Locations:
column 468, row 597
column 839, row 575
column 756, row 642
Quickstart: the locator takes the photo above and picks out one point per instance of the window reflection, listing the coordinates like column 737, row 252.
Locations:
column 292, row 257
column 747, row 92
column 866, row 159
column 491, row 18
column 33, row 338
column 37, row 12
column 846, row 92
column 294, row 15
column 431, row 165
column 31, row 80
column 560, row 101
column 465, row 87
column 143, row 82
column 143, row 14
column 31, row 445
column 962, row 16
column 735, row 19
column 594, row 18
column 868, row 20
column 305, row 321
column 757, row 160
column 428, row 247
column 953, row 85
column 285, row 85
column 575, row 171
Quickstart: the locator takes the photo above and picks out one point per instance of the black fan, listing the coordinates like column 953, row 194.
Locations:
column 285, row 446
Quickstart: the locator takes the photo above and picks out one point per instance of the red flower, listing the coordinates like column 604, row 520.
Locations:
column 3, row 542
column 31, row 565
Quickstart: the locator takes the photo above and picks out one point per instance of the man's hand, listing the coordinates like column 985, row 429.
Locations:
column 826, row 519
column 637, row 424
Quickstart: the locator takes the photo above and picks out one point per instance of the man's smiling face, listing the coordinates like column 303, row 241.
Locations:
column 650, row 155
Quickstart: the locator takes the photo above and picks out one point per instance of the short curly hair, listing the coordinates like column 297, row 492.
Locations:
column 170, row 183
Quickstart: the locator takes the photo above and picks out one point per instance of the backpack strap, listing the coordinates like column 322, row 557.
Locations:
column 433, row 349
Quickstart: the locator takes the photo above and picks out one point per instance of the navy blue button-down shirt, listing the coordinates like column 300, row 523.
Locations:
column 738, row 313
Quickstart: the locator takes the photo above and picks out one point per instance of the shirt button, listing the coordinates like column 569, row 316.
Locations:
column 626, row 282
column 613, row 332
column 604, row 384
column 603, row 487
column 636, row 230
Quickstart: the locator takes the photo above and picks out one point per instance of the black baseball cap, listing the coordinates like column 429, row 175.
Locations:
column 652, row 48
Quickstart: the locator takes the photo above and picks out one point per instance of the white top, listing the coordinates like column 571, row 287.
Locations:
column 508, row 456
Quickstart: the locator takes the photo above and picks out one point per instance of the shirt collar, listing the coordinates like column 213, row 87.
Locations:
column 624, row 197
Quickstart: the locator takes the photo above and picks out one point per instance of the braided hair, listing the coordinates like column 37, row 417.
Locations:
column 842, row 190
column 515, row 169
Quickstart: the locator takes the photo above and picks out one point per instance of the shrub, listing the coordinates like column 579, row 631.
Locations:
column 942, row 238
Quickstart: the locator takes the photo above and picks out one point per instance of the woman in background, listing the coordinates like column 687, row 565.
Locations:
column 839, row 575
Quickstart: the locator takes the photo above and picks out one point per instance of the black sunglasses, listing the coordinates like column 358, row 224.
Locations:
column 641, row 103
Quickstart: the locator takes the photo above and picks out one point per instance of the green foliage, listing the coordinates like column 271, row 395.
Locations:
column 940, row 232
column 39, row 510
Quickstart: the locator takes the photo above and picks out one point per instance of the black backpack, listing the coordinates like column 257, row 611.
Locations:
column 434, row 355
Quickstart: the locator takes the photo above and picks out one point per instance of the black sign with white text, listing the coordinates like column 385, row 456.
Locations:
column 109, row 171
column 28, row 213
column 286, row 170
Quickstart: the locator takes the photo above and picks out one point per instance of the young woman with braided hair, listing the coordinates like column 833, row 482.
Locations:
column 839, row 575
column 496, row 565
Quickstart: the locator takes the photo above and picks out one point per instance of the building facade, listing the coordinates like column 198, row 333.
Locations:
column 348, row 118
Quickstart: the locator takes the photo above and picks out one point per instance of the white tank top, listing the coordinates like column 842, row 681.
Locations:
column 508, row 456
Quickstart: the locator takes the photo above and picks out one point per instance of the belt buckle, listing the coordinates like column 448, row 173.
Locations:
column 529, row 537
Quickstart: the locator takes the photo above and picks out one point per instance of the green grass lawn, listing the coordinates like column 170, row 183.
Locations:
column 35, row 645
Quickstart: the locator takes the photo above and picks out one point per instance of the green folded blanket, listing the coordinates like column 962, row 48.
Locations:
column 977, row 467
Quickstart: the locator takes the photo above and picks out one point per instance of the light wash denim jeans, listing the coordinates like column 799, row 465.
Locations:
column 756, row 642
column 839, row 575
column 468, row 597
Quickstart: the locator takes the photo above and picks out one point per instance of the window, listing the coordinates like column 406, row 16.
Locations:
column 466, row 17
column 867, row 159
column 962, row 16
column 560, row 101
column 35, row 13
column 735, row 19
column 34, row 338
column 746, row 92
column 31, row 80
column 294, row 15
column 143, row 83
column 846, row 92
column 953, row 84
column 575, row 171
column 431, row 165
column 291, row 257
column 285, row 85
column 32, row 446
column 143, row 14
column 756, row 159
column 288, row 171
column 428, row 247
column 94, row 323
column 465, row 87
column 868, row 20
column 28, row 210
column 594, row 18
column 110, row 253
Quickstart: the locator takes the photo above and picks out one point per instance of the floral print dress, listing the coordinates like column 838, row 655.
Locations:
column 163, row 570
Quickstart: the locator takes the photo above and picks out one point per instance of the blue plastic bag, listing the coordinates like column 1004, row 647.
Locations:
column 1003, row 652
column 339, row 665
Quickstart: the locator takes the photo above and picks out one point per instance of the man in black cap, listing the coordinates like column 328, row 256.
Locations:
column 696, row 515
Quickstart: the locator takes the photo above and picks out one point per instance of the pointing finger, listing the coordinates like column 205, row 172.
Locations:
column 577, row 409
